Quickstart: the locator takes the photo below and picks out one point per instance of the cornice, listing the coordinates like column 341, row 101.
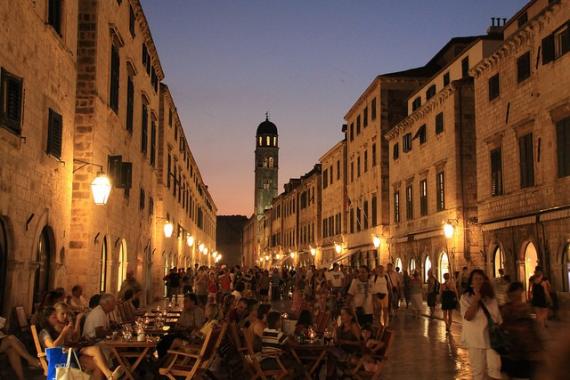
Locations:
column 141, row 18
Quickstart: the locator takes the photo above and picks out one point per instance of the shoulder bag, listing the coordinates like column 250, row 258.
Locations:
column 500, row 340
column 69, row 373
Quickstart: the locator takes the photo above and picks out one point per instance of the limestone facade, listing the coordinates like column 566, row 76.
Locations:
column 37, row 110
column 432, row 168
column 522, row 108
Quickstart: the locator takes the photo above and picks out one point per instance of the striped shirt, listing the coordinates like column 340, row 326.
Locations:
column 272, row 340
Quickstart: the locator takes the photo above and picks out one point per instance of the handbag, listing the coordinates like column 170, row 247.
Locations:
column 69, row 373
column 500, row 340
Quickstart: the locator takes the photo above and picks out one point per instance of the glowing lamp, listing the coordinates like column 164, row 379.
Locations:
column 313, row 251
column 376, row 242
column 278, row 256
column 101, row 188
column 338, row 248
column 201, row 247
column 190, row 240
column 448, row 230
column 292, row 254
column 168, row 229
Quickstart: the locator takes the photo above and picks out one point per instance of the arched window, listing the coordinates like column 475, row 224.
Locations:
column 498, row 261
column 530, row 262
column 566, row 266
column 398, row 263
column 259, row 141
column 103, row 267
column 45, row 259
column 274, row 141
column 265, row 164
column 270, row 162
column 268, row 141
column 412, row 267
column 122, row 264
column 443, row 265
column 427, row 267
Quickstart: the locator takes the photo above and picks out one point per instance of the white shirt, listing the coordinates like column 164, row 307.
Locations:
column 362, row 294
column 381, row 284
column 475, row 333
column 96, row 318
column 336, row 278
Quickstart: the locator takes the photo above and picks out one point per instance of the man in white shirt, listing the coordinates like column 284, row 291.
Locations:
column 360, row 292
column 394, row 282
column 97, row 321
column 381, row 292
column 335, row 278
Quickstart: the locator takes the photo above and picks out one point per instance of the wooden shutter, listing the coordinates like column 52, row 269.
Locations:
column 55, row 131
column 153, row 143
column 563, row 146
column 439, row 123
column 54, row 15
column 547, row 49
column 144, row 129
column 115, row 74
column 126, row 175
column 11, row 101
column 496, row 173
column 130, row 104
column 114, row 163
column 526, row 161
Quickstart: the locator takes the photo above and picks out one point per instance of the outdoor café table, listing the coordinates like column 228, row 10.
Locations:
column 125, row 350
column 310, row 354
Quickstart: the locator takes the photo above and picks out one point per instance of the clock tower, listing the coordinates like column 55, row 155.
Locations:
column 266, row 165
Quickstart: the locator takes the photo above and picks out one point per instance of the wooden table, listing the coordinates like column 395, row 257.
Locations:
column 124, row 351
column 310, row 355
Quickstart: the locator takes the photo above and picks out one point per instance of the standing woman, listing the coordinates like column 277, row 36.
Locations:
column 416, row 294
column 475, row 335
column 448, row 300
column 432, row 292
column 540, row 297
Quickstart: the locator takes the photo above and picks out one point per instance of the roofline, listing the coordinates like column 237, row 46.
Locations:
column 520, row 12
column 146, row 31
column 333, row 149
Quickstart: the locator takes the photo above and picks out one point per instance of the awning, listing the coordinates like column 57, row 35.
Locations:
column 345, row 256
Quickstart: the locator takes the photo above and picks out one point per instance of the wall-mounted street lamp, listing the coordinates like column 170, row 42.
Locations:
column 292, row 254
column 101, row 185
column 278, row 256
column 168, row 229
column 190, row 240
column 338, row 248
column 376, row 241
column 448, row 230
column 313, row 251
column 201, row 247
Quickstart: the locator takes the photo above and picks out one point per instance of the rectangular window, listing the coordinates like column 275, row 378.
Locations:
column 358, row 125
column 407, row 142
column 373, row 109
column 494, row 89
column 417, row 103
column 168, row 169
column 562, row 41
column 409, row 203
column 430, row 93
column 55, row 134
column 114, row 79
column 465, row 67
column 374, row 211
column 421, row 134
column 132, row 21
column 130, row 103
column 351, row 132
column 358, row 220
column 54, row 15
column 365, row 117
column 374, row 154
column 153, row 143
column 396, row 207
column 423, row 198
column 523, row 67
column 439, row 123
column 526, row 160
column 338, row 169
column 352, row 171
column 496, row 172
column 365, row 215
column 440, row 184
column 358, row 166
column 563, row 147
column 365, row 160
column 351, row 220
column 337, row 224
column 330, row 175
column 169, row 117
column 144, row 128
column 11, row 90
column 325, row 179
column 141, row 199
column 446, row 79
column 325, row 227
column 150, row 206
column 396, row 151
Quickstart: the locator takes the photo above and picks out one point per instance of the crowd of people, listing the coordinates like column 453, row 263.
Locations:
column 349, row 306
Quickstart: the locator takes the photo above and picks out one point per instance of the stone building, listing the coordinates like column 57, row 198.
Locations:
column 378, row 109
column 93, row 106
column 522, row 109
column 229, row 235
column 266, row 165
column 432, row 167
column 333, row 202
column 309, row 220
column 37, row 59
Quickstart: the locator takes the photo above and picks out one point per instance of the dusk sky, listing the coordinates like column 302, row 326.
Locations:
column 305, row 62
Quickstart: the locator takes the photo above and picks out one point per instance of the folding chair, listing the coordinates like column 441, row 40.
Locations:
column 40, row 351
column 254, row 363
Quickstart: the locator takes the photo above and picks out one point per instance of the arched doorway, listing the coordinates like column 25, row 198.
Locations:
column 45, row 260
column 412, row 266
column 498, row 261
column 427, row 267
column 103, row 267
column 398, row 263
column 566, row 267
column 443, row 265
column 3, row 262
column 122, row 264
column 530, row 262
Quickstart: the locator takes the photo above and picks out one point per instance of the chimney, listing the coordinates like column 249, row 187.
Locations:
column 496, row 28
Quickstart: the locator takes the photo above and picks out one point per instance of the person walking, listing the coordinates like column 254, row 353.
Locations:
column 360, row 292
column 416, row 294
column 448, row 300
column 381, row 296
column 540, row 297
column 432, row 292
column 478, row 301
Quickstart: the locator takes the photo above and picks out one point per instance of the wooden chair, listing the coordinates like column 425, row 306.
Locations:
column 254, row 363
column 21, row 318
column 189, row 364
column 381, row 356
column 40, row 351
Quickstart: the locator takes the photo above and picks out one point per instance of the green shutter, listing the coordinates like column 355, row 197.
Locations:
column 547, row 49
column 55, row 132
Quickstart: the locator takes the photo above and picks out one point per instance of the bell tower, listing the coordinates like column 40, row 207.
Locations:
column 266, row 165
